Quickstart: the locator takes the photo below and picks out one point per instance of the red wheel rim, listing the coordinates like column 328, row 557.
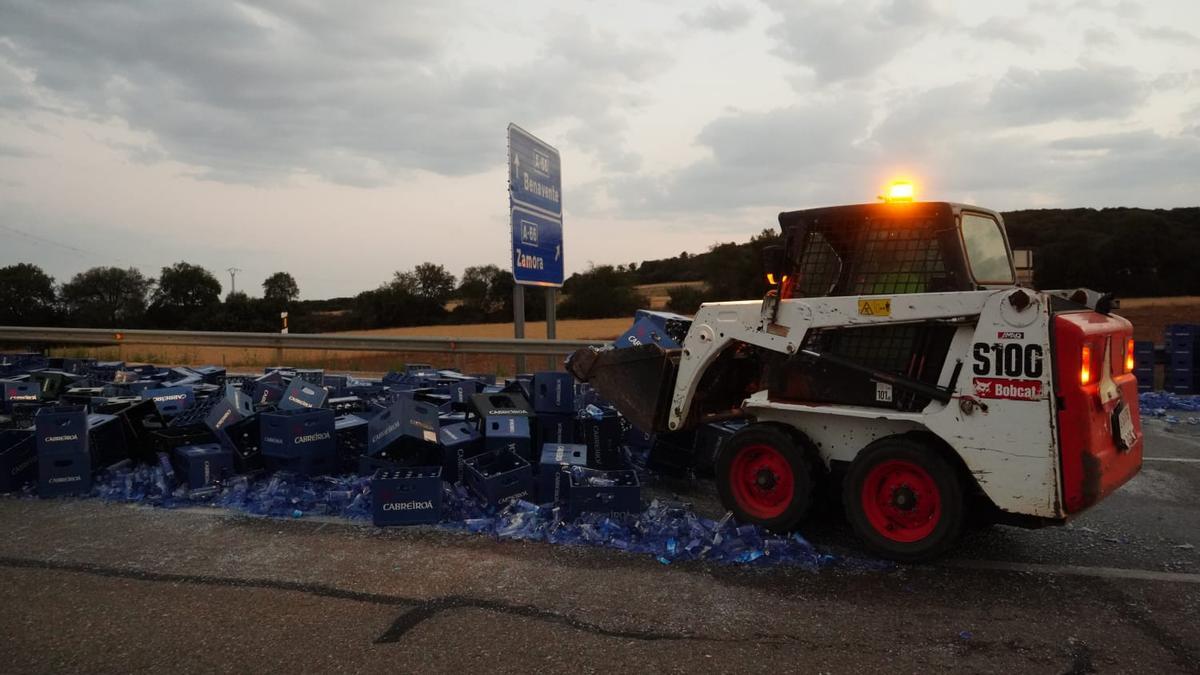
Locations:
column 762, row 481
column 902, row 501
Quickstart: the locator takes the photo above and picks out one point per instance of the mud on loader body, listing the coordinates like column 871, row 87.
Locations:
column 897, row 355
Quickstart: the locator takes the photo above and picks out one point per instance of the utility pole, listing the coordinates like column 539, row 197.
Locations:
column 233, row 279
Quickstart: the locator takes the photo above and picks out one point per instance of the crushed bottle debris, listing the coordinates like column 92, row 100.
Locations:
column 668, row 531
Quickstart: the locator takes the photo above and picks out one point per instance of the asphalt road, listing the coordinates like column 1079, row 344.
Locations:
column 92, row 587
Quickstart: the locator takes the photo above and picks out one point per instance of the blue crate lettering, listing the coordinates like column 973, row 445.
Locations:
column 62, row 430
column 64, row 474
column 410, row 496
column 171, row 400
column 294, row 434
column 301, row 395
column 645, row 332
column 386, row 426
column 19, row 392
column 603, row 434
column 499, row 476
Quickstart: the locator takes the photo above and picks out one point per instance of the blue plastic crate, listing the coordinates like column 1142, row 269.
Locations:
column 499, row 476
column 636, row 438
column 335, row 385
column 459, row 441
column 195, row 414
column 710, row 438
column 421, row 419
column 350, row 435
column 411, row 496
column 645, row 332
column 311, row 375
column 508, row 432
column 18, row 459
column 302, row 395
column 267, row 395
column 64, row 474
column 171, row 400
column 553, row 470
column 211, row 375
column 18, row 392
column 62, row 430
column 203, row 465
column 553, row 393
column 603, row 435
column 462, row 391
column 232, row 408
column 298, row 434
column 106, row 440
column 245, row 439
column 556, row 429
column 386, row 426
column 595, row 491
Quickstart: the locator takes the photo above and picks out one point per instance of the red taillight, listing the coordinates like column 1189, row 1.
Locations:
column 1085, row 365
column 1129, row 355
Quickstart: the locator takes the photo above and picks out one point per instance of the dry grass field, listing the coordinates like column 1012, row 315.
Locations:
column 1149, row 316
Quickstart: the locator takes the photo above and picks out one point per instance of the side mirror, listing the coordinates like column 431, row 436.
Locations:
column 773, row 264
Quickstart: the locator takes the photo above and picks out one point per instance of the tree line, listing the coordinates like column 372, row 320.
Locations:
column 1132, row 252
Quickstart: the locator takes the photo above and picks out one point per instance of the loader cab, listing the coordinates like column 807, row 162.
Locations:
column 894, row 248
column 883, row 249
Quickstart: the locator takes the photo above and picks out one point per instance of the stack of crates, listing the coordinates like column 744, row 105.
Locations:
column 1143, row 364
column 1183, row 358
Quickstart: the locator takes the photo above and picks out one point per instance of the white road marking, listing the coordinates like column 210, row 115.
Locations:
column 1075, row 570
column 1186, row 460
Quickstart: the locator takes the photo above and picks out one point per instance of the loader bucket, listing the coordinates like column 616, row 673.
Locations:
column 637, row 381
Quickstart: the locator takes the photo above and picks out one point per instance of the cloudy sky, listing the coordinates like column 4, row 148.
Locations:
column 341, row 141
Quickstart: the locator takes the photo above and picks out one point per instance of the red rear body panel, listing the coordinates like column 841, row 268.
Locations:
column 1092, row 462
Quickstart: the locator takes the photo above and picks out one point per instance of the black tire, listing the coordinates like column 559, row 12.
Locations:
column 765, row 477
column 903, row 522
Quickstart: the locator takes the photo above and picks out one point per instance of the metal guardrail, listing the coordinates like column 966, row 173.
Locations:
column 370, row 343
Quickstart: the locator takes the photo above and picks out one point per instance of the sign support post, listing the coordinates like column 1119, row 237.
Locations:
column 551, row 328
column 536, row 219
column 519, row 322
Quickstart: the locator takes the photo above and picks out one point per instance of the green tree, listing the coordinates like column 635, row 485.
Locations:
column 106, row 297
column 280, row 289
column 433, row 282
column 686, row 299
column 183, row 294
column 601, row 292
column 27, row 296
column 734, row 271
column 485, row 293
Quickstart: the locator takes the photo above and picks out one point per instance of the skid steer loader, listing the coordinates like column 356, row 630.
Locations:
column 895, row 357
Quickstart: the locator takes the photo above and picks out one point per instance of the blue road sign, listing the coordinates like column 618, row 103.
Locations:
column 535, row 203
column 534, row 172
column 536, row 248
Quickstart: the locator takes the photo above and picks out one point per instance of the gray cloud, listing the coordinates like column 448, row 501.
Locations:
column 756, row 158
column 352, row 94
column 1082, row 93
column 847, row 40
column 718, row 17
column 1008, row 29
column 1169, row 34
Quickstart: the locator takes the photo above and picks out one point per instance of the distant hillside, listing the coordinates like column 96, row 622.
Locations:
column 1131, row 252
